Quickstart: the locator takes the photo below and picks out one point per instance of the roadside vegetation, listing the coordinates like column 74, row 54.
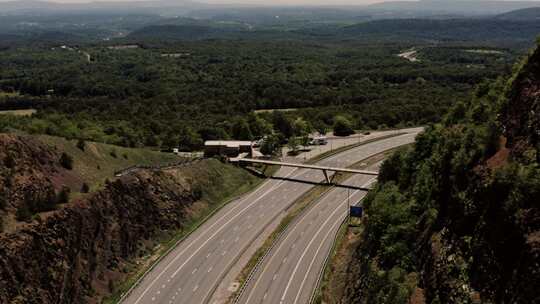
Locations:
column 452, row 218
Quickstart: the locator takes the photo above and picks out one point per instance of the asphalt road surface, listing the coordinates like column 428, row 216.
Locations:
column 191, row 272
column 290, row 271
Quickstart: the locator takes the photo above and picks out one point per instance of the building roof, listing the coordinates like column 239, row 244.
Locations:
column 227, row 143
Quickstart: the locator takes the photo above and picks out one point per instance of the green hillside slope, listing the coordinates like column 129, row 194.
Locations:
column 456, row 219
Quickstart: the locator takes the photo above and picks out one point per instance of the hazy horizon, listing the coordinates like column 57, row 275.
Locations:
column 264, row 2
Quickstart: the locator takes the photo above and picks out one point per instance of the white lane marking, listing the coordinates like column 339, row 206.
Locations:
column 196, row 287
column 153, row 298
column 306, row 249
column 257, row 281
column 163, row 286
column 194, row 270
column 211, row 228
column 274, row 277
column 299, row 261
column 208, row 255
column 210, row 269
column 312, row 261
column 223, row 227
column 224, row 252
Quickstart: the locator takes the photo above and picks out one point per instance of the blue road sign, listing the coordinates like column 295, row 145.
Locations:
column 356, row 211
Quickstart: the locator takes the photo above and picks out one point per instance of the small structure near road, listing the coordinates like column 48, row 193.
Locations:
column 229, row 148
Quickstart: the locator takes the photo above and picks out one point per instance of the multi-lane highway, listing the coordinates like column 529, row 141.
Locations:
column 191, row 272
column 289, row 273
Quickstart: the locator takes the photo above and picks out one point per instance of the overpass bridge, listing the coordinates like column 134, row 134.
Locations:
column 305, row 166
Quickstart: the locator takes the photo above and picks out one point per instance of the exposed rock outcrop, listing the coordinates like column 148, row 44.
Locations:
column 76, row 251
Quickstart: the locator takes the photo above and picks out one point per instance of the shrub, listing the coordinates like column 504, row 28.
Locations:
column 63, row 196
column 85, row 188
column 66, row 161
column 81, row 144
column 197, row 192
column 113, row 153
column 3, row 200
column 9, row 161
column 23, row 213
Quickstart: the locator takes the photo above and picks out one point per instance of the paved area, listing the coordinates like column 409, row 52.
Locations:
column 194, row 269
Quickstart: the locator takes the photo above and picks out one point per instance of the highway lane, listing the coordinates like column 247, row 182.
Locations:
column 192, row 271
column 289, row 272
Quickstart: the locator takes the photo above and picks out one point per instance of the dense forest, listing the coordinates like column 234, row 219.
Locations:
column 201, row 90
column 455, row 219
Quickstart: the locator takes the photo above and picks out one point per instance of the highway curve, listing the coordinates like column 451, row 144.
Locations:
column 191, row 272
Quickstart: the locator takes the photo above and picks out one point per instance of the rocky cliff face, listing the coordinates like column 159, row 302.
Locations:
column 520, row 114
column 28, row 171
column 63, row 258
column 73, row 252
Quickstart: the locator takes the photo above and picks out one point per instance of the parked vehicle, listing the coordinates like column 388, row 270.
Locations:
column 318, row 141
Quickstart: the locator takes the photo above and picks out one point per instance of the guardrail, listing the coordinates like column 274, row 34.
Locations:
column 320, row 277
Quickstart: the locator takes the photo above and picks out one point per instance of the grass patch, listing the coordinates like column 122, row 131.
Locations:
column 334, row 281
column 233, row 182
column 95, row 162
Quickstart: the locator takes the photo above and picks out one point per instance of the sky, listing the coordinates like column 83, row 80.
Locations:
column 260, row 2
column 265, row 2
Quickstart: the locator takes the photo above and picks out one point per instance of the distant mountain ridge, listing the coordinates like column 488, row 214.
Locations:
column 459, row 6
column 526, row 14
column 158, row 6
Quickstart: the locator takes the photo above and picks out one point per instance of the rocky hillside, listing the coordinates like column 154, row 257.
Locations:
column 456, row 219
column 76, row 251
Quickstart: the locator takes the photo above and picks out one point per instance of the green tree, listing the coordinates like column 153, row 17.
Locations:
column 301, row 127
column 241, row 130
column 282, row 124
column 270, row 145
column 258, row 126
column 294, row 145
column 342, row 126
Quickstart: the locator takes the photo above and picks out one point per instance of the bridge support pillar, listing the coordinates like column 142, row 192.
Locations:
column 326, row 176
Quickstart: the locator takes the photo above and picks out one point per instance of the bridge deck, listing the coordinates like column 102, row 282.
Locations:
column 270, row 162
